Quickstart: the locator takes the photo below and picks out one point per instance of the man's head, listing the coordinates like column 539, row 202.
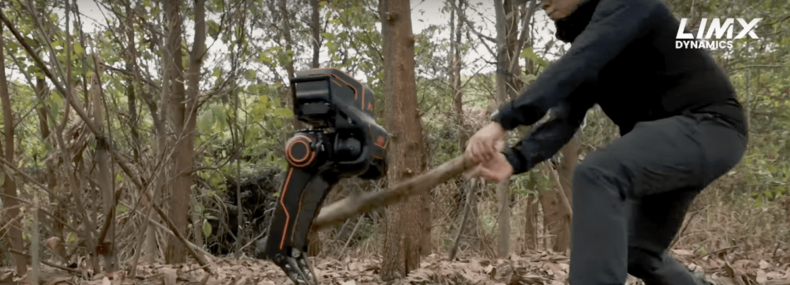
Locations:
column 559, row 9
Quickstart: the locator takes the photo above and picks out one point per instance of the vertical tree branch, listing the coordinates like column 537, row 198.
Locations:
column 180, row 182
column 316, row 32
column 104, row 176
column 9, row 185
column 503, row 188
column 186, row 159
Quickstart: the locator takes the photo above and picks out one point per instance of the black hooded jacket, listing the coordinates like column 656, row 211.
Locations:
column 623, row 58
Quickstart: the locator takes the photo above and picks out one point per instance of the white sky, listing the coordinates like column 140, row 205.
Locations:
column 424, row 14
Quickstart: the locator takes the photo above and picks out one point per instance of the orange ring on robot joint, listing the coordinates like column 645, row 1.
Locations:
column 312, row 157
column 304, row 137
column 290, row 151
column 290, row 145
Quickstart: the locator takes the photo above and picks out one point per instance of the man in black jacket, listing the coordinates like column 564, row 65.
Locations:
column 681, row 125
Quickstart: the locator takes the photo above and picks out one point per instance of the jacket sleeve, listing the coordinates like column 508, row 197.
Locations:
column 547, row 139
column 613, row 26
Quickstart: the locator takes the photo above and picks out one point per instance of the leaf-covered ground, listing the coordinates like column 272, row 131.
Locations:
column 537, row 268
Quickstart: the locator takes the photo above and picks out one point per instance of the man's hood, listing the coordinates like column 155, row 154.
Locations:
column 570, row 27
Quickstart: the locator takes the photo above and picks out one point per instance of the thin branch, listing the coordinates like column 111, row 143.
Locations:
column 482, row 37
column 47, row 263
column 467, row 209
column 80, row 111
column 44, row 35
column 52, row 78
column 522, row 38
column 31, row 181
column 565, row 201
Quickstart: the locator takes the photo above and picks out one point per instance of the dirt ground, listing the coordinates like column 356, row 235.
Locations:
column 537, row 268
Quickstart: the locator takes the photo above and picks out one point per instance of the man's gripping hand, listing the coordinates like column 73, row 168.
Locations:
column 485, row 150
column 486, row 143
column 494, row 170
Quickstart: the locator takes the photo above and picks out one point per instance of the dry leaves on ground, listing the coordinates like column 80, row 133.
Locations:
column 530, row 269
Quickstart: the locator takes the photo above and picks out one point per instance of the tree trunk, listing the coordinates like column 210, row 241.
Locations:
column 513, row 48
column 158, row 114
column 187, row 152
column 313, row 241
column 103, row 175
column 52, row 181
column 503, row 188
column 552, row 211
column 131, row 57
column 289, row 66
column 531, row 228
column 313, row 238
column 179, row 198
column 426, row 246
column 570, row 157
column 531, row 223
column 456, row 63
column 316, row 32
column 10, row 202
column 401, row 247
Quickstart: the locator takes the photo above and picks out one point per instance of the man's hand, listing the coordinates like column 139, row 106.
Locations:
column 485, row 144
column 494, row 170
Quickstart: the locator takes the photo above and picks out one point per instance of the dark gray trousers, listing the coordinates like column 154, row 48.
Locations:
column 630, row 199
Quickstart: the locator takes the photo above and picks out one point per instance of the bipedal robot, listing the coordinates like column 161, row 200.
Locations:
column 344, row 141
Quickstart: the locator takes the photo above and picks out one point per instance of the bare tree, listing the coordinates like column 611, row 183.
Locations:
column 180, row 175
column 103, row 176
column 503, row 188
column 570, row 157
column 402, row 244
column 315, row 29
column 193, row 80
column 10, row 202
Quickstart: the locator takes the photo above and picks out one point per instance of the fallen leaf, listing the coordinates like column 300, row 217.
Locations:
column 745, row 264
column 170, row 276
column 242, row 281
column 714, row 264
column 761, row 277
column 554, row 267
column 565, row 267
column 488, row 269
column 419, row 274
column 60, row 280
column 774, row 275
column 764, row 264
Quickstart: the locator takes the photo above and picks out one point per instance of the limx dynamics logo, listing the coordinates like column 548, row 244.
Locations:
column 721, row 33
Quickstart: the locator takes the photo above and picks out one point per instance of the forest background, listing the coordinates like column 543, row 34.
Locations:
column 140, row 137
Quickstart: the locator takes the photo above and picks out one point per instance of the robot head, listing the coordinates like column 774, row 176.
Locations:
column 329, row 100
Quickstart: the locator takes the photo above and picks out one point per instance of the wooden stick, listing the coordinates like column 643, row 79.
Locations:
column 365, row 202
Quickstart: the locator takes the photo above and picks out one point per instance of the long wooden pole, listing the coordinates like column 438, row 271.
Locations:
column 366, row 202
